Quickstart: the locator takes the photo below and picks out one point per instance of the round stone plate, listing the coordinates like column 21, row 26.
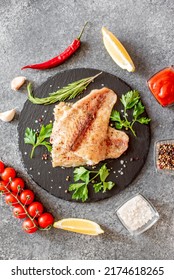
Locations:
column 122, row 170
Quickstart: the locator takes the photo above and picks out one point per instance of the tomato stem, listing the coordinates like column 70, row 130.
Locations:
column 24, row 208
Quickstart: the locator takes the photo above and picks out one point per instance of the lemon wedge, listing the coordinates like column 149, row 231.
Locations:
column 117, row 51
column 79, row 225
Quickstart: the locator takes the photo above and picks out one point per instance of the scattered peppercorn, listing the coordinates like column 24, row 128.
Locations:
column 67, row 178
column 165, row 156
column 45, row 157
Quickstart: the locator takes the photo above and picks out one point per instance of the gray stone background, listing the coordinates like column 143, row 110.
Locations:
column 32, row 31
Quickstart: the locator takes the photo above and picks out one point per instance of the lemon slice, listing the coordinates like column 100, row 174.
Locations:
column 117, row 51
column 79, row 225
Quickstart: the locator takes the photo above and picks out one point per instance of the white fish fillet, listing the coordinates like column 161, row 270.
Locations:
column 81, row 134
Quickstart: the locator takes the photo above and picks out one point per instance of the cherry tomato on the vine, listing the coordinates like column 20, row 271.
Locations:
column 4, row 187
column 30, row 226
column 1, row 167
column 19, row 212
column 27, row 197
column 11, row 199
column 45, row 220
column 8, row 174
column 35, row 209
column 17, row 184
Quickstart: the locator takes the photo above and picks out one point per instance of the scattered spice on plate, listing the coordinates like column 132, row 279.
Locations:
column 67, row 178
column 45, row 157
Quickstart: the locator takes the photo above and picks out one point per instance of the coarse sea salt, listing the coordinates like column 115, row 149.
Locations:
column 135, row 213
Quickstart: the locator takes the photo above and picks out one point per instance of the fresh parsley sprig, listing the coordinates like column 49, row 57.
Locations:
column 130, row 100
column 38, row 139
column 80, row 189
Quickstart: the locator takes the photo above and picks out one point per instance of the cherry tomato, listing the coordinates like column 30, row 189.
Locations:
column 11, row 200
column 17, row 184
column 35, row 209
column 3, row 187
column 18, row 212
column 45, row 220
column 30, row 226
column 27, row 197
column 1, row 167
column 8, row 174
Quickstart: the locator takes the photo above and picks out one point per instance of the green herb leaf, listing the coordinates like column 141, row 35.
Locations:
column 80, row 191
column 130, row 99
column 118, row 125
column 103, row 172
column 98, row 187
column 68, row 92
column 103, row 186
column 143, row 120
column 30, row 136
column 47, row 145
column 81, row 173
column 45, row 132
column 108, row 186
column 115, row 116
column 87, row 176
column 138, row 110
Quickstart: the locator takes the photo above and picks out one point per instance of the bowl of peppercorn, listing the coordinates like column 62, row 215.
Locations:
column 164, row 156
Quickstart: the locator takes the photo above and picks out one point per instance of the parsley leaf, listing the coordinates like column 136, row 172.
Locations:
column 80, row 190
column 103, row 172
column 107, row 186
column 144, row 120
column 82, row 174
column 115, row 116
column 98, row 187
column 30, row 136
column 34, row 139
column 45, row 132
column 138, row 110
column 130, row 100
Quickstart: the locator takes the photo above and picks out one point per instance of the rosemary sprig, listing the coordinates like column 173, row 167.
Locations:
column 68, row 92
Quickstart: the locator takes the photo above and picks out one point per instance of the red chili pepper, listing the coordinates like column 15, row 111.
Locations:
column 57, row 60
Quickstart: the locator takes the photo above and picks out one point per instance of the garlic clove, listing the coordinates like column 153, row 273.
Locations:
column 8, row 115
column 17, row 82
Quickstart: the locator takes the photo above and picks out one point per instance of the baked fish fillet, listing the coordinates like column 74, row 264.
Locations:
column 95, row 140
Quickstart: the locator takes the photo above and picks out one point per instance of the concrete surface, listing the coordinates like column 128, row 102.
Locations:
column 35, row 30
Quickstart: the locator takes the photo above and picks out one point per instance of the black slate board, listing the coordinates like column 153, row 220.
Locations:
column 123, row 170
